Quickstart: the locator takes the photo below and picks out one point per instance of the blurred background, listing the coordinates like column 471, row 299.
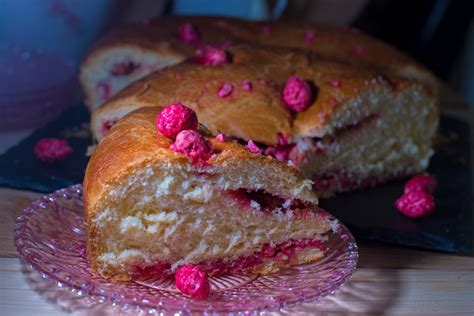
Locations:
column 43, row 42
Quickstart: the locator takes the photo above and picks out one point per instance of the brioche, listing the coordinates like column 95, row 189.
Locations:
column 150, row 210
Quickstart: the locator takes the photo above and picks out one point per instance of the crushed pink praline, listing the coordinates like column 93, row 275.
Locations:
column 52, row 149
column 297, row 94
column 192, row 280
column 246, row 85
column 193, row 145
column 225, row 90
column 221, row 137
column 215, row 56
column 175, row 118
column 252, row 147
column 188, row 33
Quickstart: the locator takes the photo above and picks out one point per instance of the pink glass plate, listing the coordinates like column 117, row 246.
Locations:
column 50, row 235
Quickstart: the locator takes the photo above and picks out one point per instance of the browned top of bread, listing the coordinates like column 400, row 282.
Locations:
column 343, row 44
column 197, row 87
column 259, row 114
column 134, row 142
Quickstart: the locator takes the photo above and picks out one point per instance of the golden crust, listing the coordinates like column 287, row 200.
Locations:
column 197, row 88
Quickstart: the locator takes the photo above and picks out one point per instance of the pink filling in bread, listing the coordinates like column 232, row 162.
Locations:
column 107, row 125
column 282, row 252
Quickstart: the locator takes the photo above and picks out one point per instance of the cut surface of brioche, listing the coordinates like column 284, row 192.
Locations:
column 382, row 142
column 157, row 41
column 368, row 129
column 150, row 210
column 114, row 69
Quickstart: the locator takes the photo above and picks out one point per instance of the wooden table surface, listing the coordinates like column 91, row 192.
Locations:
column 389, row 280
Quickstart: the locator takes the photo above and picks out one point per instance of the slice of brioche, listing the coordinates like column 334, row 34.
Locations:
column 150, row 210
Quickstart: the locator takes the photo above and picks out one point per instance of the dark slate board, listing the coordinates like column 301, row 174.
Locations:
column 20, row 169
column 369, row 214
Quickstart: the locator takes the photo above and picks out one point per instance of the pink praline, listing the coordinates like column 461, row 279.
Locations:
column 246, row 85
column 252, row 147
column 52, row 149
column 225, row 90
column 188, row 33
column 193, row 145
column 220, row 138
column 192, row 280
column 415, row 204
column 175, row 118
column 297, row 94
column 215, row 57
